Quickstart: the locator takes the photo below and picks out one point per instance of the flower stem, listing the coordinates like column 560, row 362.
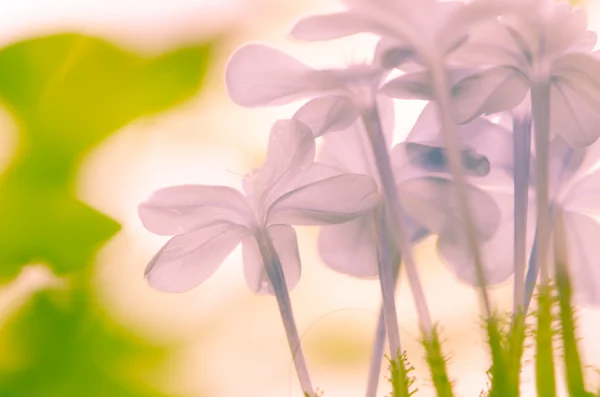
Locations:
column 540, row 105
column 392, row 204
column 456, row 168
column 376, row 357
column 572, row 359
column 378, row 345
column 522, row 156
column 276, row 277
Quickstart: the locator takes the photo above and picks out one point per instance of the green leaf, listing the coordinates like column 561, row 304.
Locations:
column 68, row 93
column 60, row 345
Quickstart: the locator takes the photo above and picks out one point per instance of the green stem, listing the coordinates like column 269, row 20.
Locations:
column 572, row 358
column 540, row 105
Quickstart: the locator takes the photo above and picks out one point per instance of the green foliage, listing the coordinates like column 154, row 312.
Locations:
column 61, row 345
column 68, row 93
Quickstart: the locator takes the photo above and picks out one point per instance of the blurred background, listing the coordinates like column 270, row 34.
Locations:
column 104, row 102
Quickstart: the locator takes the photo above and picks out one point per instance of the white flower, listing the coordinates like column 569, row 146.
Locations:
column 551, row 46
column 208, row 222
column 258, row 75
column 486, row 153
column 428, row 29
column 351, row 248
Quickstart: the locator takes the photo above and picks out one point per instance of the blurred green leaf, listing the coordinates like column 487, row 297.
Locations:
column 61, row 345
column 68, row 93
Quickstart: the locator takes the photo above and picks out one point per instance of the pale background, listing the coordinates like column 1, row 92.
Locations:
column 231, row 342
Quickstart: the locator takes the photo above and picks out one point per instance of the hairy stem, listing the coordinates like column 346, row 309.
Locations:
column 276, row 277
column 572, row 358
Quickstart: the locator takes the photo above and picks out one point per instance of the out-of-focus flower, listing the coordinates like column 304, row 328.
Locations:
column 551, row 46
column 428, row 29
column 575, row 197
column 208, row 222
column 422, row 166
column 258, row 75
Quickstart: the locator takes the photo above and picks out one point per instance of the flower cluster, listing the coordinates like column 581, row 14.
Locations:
column 497, row 73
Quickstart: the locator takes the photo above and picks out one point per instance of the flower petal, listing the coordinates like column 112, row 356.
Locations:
column 583, row 250
column 350, row 149
column 187, row 260
column 290, row 151
column 333, row 200
column 415, row 85
column 491, row 91
column 286, row 244
column 575, row 104
column 490, row 44
column 351, row 247
column 258, row 75
column 179, row 209
column 497, row 253
column 421, row 199
column 332, row 26
column 328, row 113
column 485, row 145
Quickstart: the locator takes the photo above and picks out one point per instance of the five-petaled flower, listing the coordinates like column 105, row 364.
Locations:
column 208, row 222
column 549, row 47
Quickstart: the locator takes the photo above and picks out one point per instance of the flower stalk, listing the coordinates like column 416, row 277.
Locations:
column 522, row 158
column 456, row 168
column 276, row 277
column 392, row 204
column 540, row 105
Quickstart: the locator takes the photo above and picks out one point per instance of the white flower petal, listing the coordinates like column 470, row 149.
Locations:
column 328, row 113
column 583, row 252
column 572, row 116
column 189, row 259
column 258, row 75
column 351, row 247
column 286, row 244
column 333, row 200
column 350, row 149
column 332, row 26
column 421, row 199
column 497, row 253
column 179, row 209
column 490, row 44
column 484, row 145
column 410, row 86
column 290, row 151
column 491, row 91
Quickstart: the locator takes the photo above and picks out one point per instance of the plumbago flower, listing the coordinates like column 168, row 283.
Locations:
column 428, row 30
column 486, row 155
column 208, row 222
column 575, row 200
column 549, row 47
column 258, row 76
column 544, row 58
column 421, row 178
